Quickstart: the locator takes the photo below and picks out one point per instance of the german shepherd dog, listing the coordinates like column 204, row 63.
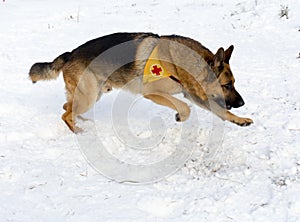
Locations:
column 118, row 60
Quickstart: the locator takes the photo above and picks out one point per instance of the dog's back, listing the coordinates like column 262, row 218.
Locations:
column 117, row 50
column 93, row 48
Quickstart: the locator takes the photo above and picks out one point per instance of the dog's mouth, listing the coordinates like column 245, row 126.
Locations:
column 223, row 104
column 228, row 107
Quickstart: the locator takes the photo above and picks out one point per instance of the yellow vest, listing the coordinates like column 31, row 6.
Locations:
column 154, row 70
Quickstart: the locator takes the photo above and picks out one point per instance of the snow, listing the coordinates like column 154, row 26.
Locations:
column 254, row 175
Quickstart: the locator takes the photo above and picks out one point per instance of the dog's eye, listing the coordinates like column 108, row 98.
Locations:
column 228, row 86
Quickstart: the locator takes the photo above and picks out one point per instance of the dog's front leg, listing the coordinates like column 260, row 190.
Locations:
column 226, row 115
column 219, row 111
column 161, row 92
column 241, row 121
column 183, row 110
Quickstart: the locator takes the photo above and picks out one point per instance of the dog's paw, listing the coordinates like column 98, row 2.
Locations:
column 106, row 88
column 244, row 122
column 181, row 118
column 77, row 130
column 82, row 118
column 177, row 117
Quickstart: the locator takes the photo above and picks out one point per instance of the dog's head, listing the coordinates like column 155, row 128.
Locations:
column 227, row 97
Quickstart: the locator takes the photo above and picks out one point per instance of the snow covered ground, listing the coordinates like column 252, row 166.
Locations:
column 254, row 177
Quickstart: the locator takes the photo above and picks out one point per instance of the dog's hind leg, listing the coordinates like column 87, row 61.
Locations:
column 81, row 96
column 65, row 106
column 69, row 119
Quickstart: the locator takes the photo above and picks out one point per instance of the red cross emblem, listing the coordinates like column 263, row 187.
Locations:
column 156, row 70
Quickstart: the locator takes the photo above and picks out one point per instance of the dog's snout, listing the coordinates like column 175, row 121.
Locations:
column 238, row 101
column 241, row 103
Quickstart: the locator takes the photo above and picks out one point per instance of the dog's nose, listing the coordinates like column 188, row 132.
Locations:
column 238, row 103
column 241, row 103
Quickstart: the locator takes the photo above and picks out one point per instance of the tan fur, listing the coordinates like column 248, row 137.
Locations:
column 196, row 68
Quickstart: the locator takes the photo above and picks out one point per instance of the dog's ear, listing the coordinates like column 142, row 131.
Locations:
column 219, row 58
column 228, row 53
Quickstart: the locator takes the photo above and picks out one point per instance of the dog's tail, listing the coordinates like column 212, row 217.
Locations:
column 48, row 70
